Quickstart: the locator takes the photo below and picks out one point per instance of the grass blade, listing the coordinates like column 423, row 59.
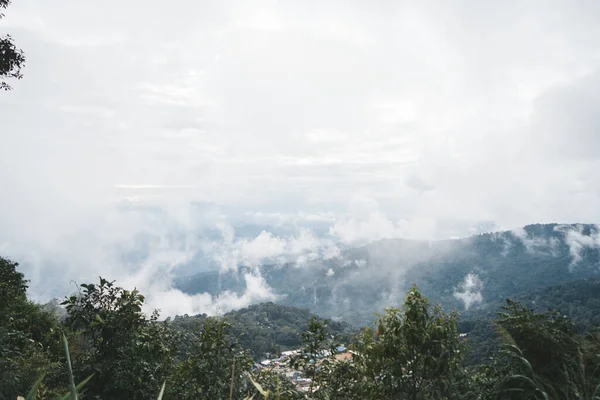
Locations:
column 595, row 395
column 162, row 391
column 232, row 376
column 78, row 388
column 34, row 389
column 71, row 378
column 259, row 387
column 83, row 382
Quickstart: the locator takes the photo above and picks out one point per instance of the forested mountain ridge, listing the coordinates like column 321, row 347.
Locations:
column 270, row 327
column 267, row 327
column 130, row 353
column 474, row 272
column 579, row 300
column 416, row 351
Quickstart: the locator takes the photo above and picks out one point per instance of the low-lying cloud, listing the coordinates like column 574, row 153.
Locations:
column 173, row 302
column 310, row 127
column 469, row 291
column 147, row 247
column 578, row 241
column 537, row 244
column 230, row 251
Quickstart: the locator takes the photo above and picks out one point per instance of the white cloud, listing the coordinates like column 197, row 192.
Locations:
column 263, row 246
column 173, row 302
column 469, row 291
column 464, row 92
column 230, row 252
column 578, row 241
column 440, row 116
column 536, row 244
column 364, row 222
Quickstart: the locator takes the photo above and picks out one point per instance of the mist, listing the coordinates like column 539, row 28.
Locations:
column 149, row 141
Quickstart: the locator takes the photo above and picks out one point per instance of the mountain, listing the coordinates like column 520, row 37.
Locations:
column 267, row 327
column 472, row 273
column 579, row 299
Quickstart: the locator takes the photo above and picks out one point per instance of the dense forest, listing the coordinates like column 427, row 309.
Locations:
column 267, row 328
column 102, row 346
column 370, row 278
column 529, row 299
column 579, row 300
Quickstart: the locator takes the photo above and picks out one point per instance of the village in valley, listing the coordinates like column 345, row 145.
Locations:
column 282, row 365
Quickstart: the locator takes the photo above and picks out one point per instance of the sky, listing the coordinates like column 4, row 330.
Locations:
column 376, row 119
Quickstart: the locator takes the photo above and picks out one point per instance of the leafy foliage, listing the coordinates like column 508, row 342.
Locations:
column 413, row 352
column 28, row 335
column 316, row 341
column 267, row 328
column 278, row 385
column 12, row 59
column 215, row 367
column 579, row 300
column 129, row 354
column 542, row 357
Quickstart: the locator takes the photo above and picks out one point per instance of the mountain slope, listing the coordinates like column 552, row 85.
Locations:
column 579, row 299
column 475, row 272
column 267, row 327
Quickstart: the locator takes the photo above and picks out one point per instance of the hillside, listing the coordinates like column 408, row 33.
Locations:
column 475, row 272
column 113, row 339
column 579, row 299
column 267, row 327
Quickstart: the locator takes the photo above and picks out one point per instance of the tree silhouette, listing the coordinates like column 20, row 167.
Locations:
column 12, row 58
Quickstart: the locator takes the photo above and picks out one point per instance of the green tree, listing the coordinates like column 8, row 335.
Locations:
column 415, row 353
column 12, row 58
column 129, row 354
column 279, row 387
column 318, row 348
column 544, row 357
column 29, row 340
column 215, row 366
column 341, row 380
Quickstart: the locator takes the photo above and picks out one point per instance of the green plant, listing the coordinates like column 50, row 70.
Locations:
column 129, row 353
column 414, row 354
column 33, row 392
column 215, row 366
column 75, row 389
column 162, row 391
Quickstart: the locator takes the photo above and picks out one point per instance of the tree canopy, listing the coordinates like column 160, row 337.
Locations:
column 115, row 351
column 12, row 59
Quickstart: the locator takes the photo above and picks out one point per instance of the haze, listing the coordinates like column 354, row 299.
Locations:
column 145, row 133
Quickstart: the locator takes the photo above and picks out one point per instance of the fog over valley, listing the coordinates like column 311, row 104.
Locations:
column 299, row 200
column 270, row 141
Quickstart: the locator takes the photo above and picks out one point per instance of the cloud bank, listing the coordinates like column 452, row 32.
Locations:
column 469, row 291
column 142, row 130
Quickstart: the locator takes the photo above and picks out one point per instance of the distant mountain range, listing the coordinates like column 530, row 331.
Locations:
column 471, row 273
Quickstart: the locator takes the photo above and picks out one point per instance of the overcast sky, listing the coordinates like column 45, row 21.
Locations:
column 384, row 118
